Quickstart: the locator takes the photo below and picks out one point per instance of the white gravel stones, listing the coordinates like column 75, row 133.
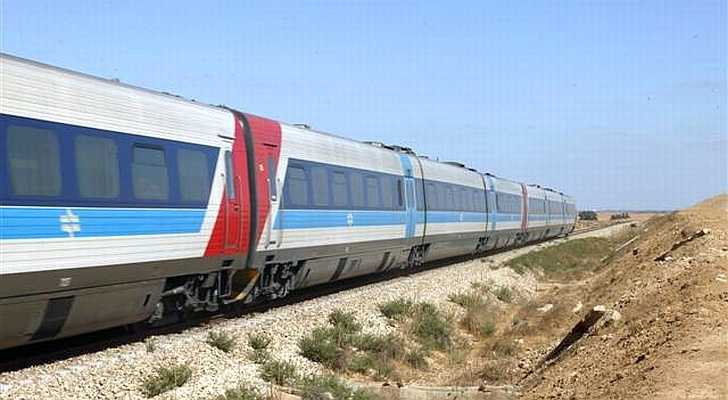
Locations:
column 118, row 373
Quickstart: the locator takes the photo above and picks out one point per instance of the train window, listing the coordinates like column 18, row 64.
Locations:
column 387, row 187
column 339, row 189
column 272, row 183
column 149, row 173
column 431, row 195
column 319, row 186
column 296, row 190
column 420, row 195
column 372, row 191
column 34, row 159
column 470, row 199
column 400, row 200
column 194, row 176
column 97, row 167
column 536, row 206
column 229, row 175
column 449, row 198
column 357, row 190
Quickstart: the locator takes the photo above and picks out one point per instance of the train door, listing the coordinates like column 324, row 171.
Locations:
column 409, row 190
column 232, row 206
column 265, row 136
column 411, row 207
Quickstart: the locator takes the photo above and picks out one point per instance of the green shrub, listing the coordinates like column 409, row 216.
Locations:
column 344, row 322
column 388, row 346
column 322, row 386
column 430, row 327
column 166, row 379
column 240, row 393
column 487, row 327
column 221, row 340
column 396, row 309
column 362, row 363
column 321, row 346
column 259, row 341
column 467, row 300
column 504, row 294
column 417, row 358
column 279, row 372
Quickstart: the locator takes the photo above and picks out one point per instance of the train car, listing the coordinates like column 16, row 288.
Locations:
column 121, row 205
column 569, row 214
column 342, row 209
column 555, row 220
column 537, row 215
column 455, row 210
column 111, row 203
column 506, row 212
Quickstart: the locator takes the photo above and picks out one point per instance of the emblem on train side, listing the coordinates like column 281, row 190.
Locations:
column 70, row 223
column 350, row 219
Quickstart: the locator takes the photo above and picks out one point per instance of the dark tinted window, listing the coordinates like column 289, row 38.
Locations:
column 372, row 191
column 449, row 198
column 508, row 203
column 97, row 167
column 229, row 175
column 34, row 159
column 387, row 187
column 357, row 190
column 420, row 195
column 296, row 187
column 319, row 186
column 149, row 173
column 339, row 189
column 194, row 177
column 400, row 189
column 272, row 181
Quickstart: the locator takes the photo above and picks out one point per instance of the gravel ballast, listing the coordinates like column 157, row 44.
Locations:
column 119, row 372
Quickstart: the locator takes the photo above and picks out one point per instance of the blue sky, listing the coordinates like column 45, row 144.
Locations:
column 621, row 104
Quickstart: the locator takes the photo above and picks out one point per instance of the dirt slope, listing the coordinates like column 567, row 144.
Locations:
column 672, row 340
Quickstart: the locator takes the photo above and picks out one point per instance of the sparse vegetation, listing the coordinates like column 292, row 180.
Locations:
column 325, row 387
column 417, row 358
column 166, row 379
column 467, row 300
column 344, row 322
column 241, row 393
column 504, row 294
column 566, row 261
column 221, row 340
column 487, row 328
column 504, row 347
column 430, row 327
column 279, row 372
column 322, row 346
column 259, row 341
column 396, row 309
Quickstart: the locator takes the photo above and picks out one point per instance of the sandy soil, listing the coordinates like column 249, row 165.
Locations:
column 672, row 339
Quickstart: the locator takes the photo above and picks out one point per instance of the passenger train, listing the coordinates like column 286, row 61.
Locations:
column 120, row 206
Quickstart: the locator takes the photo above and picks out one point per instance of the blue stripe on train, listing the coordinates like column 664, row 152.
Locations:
column 58, row 222
column 304, row 219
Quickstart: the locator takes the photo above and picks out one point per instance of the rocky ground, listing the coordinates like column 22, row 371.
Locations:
column 671, row 341
column 118, row 373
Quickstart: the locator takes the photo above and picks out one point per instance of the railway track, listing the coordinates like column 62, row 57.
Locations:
column 42, row 353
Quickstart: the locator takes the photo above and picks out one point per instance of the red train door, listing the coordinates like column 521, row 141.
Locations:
column 231, row 204
column 231, row 234
column 266, row 139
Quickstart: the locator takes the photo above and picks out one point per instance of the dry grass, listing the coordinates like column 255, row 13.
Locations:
column 166, row 379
